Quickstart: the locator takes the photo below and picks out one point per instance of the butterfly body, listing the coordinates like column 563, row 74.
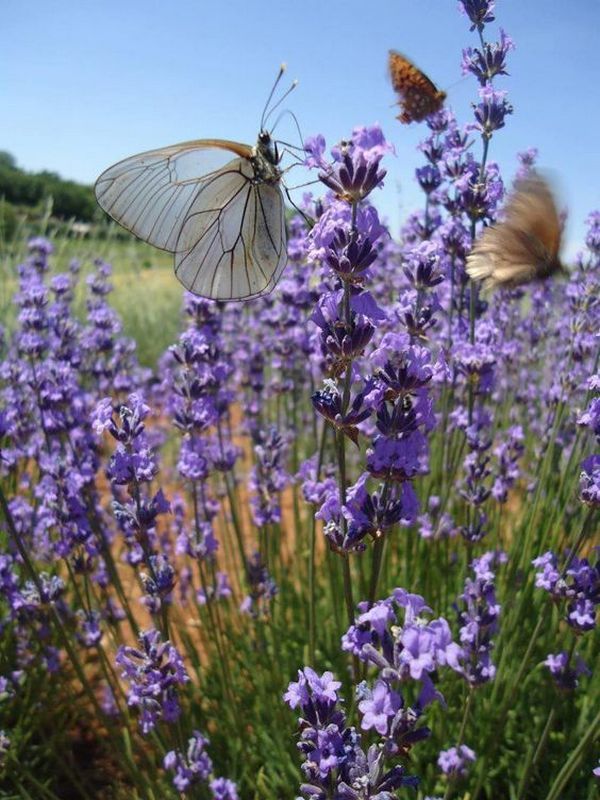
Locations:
column 525, row 245
column 215, row 204
column 419, row 96
column 265, row 160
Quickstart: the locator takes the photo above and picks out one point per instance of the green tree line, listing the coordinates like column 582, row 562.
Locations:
column 69, row 199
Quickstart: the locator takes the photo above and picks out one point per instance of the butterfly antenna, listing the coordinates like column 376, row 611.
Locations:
column 455, row 83
column 282, row 69
column 295, row 118
column 301, row 185
column 292, row 146
column 280, row 101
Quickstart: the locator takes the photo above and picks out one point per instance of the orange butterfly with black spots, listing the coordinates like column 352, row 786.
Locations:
column 419, row 96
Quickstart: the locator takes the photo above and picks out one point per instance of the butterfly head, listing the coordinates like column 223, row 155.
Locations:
column 265, row 159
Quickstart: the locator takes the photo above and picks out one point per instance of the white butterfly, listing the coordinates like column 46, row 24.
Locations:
column 224, row 222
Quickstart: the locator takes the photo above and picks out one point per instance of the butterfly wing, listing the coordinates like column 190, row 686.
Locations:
column 525, row 245
column 150, row 194
column 532, row 209
column 419, row 96
column 226, row 228
column 237, row 249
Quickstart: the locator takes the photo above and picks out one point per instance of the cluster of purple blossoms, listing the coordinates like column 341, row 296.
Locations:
column 391, row 406
column 578, row 584
column 268, row 477
column 478, row 614
column 403, row 651
column 589, row 481
column 435, row 523
column 221, row 590
column 335, row 762
column 50, row 451
column 262, row 588
column 480, row 12
column 455, row 761
column 508, row 453
column 491, row 112
column 29, row 606
column 153, row 671
column 194, row 768
column 197, row 395
column 576, row 589
column 476, row 486
column 45, row 412
column 419, row 302
column 133, row 465
column 566, row 669
column 488, row 61
column 109, row 357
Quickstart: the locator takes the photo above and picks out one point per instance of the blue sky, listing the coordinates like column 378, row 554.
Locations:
column 87, row 83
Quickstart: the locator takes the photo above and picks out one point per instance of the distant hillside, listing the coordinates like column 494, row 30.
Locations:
column 31, row 189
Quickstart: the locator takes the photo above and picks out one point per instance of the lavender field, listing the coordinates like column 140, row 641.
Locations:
column 340, row 542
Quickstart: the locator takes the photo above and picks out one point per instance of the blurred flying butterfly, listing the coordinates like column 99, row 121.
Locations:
column 526, row 244
column 419, row 96
column 221, row 216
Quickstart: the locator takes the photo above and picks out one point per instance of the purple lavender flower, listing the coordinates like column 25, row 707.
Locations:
column 590, row 418
column 589, row 481
column 158, row 583
column 485, row 64
column 223, row 789
column 429, row 178
column 89, row 633
column 378, row 707
column 329, row 403
column 527, row 160
column 41, row 246
column 191, row 768
column 221, row 590
column 350, row 256
column 412, row 651
column 4, row 747
column 262, row 588
column 508, row 454
column 356, row 171
column 480, row 12
column 317, row 692
column 478, row 616
column 456, row 760
column 153, row 672
column 578, row 584
column 333, row 753
column 564, row 673
column 268, row 477
column 491, row 112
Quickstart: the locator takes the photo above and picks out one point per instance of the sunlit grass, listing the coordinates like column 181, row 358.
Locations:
column 147, row 296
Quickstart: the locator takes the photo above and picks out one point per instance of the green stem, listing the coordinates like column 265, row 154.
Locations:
column 312, row 599
column 534, row 756
column 509, row 702
column 376, row 567
column 563, row 777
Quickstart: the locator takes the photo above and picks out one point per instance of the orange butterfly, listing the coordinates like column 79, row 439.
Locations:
column 419, row 97
column 526, row 244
